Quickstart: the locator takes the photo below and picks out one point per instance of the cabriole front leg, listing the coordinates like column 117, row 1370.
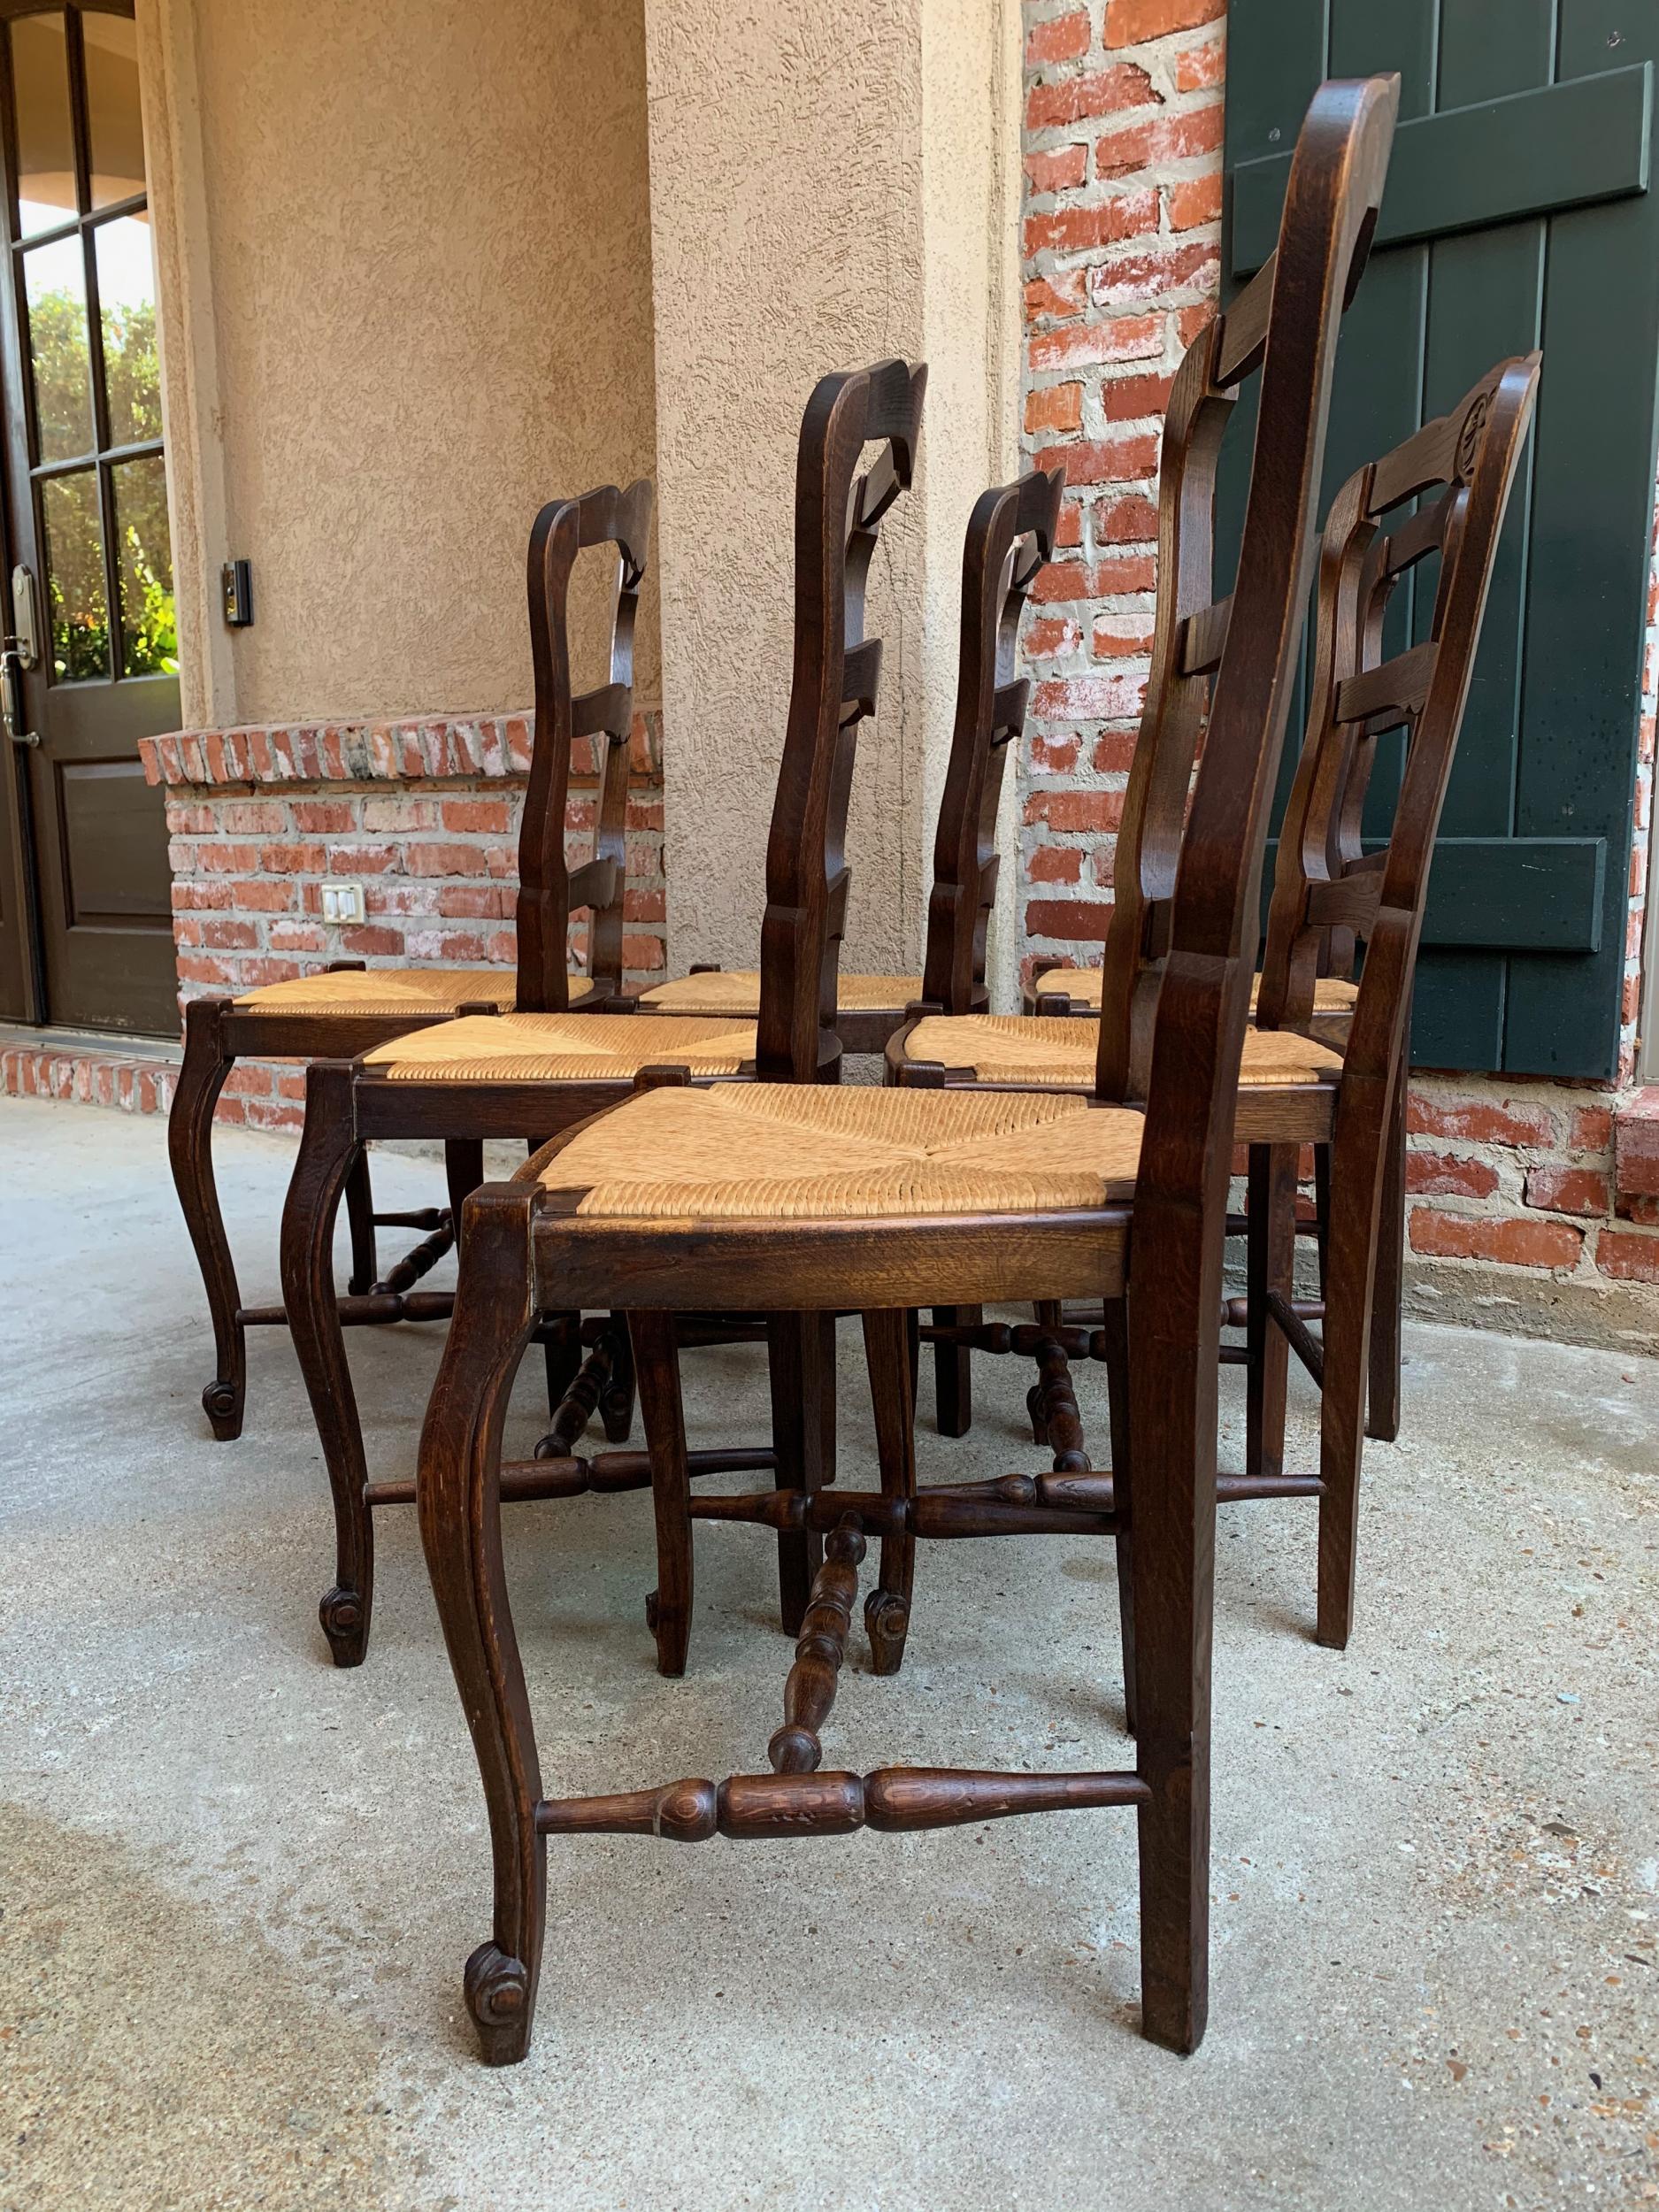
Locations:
column 458, row 1498
column 190, row 1150
column 328, row 1153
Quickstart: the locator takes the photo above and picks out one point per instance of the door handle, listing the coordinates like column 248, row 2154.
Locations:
column 12, row 709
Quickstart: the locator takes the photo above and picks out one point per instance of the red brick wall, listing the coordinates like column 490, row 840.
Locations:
column 1527, row 1199
column 424, row 814
column 1121, row 249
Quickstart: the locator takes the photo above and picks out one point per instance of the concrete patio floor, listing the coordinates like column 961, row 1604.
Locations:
column 238, row 1886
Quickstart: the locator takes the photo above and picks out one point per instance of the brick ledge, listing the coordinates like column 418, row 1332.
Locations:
column 93, row 1071
column 419, row 748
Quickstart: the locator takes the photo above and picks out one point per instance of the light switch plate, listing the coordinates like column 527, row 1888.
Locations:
column 343, row 903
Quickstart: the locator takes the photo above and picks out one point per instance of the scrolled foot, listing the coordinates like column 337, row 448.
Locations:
column 671, row 1630
column 616, row 1412
column 886, row 1623
column 1035, row 1409
column 498, row 1998
column 222, row 1402
column 346, row 1625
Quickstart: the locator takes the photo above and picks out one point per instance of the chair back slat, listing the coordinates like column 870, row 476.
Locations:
column 1196, row 635
column 1327, row 893
column 1009, row 537
column 548, row 892
column 834, row 687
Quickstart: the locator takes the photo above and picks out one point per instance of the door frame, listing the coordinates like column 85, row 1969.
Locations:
column 48, row 976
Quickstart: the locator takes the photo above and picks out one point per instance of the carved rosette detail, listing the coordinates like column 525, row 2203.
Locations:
column 343, row 1622
column 497, row 1987
column 1469, row 436
column 887, row 1624
column 222, row 1401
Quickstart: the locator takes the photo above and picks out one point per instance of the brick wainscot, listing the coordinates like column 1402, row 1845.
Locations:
column 1533, row 1205
column 424, row 814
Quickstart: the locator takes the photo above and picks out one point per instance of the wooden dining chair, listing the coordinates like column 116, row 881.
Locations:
column 1326, row 887
column 1383, row 526
column 882, row 1201
column 529, row 1075
column 351, row 1008
column 870, row 1008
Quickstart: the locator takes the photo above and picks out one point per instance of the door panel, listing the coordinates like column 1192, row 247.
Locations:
column 87, row 511
column 1519, row 213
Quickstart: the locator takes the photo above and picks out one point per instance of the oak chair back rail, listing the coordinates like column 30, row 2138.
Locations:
column 529, row 1244
column 834, row 681
column 1011, row 536
column 218, row 1032
column 462, row 1096
column 548, row 890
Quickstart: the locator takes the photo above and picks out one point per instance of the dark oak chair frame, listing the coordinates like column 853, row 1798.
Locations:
column 218, row 1032
column 1329, row 896
column 991, row 704
column 1191, row 629
column 1326, row 903
column 525, row 1251
column 836, row 677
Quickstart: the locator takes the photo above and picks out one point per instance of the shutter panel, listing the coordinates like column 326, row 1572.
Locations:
column 1518, row 214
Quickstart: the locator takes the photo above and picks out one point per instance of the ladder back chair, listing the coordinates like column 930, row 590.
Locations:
column 1106, row 1052
column 1326, row 902
column 882, row 1201
column 1327, row 888
column 528, row 1075
column 350, row 1008
column 990, row 711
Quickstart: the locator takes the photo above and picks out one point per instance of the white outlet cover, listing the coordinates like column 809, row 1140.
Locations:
column 343, row 903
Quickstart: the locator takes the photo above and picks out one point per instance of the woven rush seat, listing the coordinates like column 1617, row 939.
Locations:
column 1059, row 1049
column 736, row 992
column 562, row 1048
column 392, row 991
column 1332, row 994
column 802, row 1152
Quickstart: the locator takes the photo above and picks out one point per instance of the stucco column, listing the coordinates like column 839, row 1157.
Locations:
column 828, row 185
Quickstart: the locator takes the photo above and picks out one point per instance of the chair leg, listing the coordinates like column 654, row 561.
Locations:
column 668, row 1608
column 1049, row 1315
column 1357, row 1201
column 1117, row 1334
column 953, row 1374
column 463, row 1172
column 328, row 1150
column 801, row 1357
column 561, row 1342
column 1382, row 1415
column 360, row 1218
column 459, row 1501
column 190, row 1150
column 1322, row 1206
column 1173, row 1403
column 616, row 1399
column 892, row 1390
column 1271, row 1245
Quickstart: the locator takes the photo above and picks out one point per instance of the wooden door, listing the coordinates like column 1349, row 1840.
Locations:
column 1520, row 213
column 87, row 597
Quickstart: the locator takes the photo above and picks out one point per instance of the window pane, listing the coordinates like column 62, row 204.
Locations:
column 127, row 315
column 46, row 146
column 74, row 577
column 149, row 637
column 114, row 126
column 55, row 283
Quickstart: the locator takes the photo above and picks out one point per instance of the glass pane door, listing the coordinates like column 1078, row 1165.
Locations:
column 88, row 509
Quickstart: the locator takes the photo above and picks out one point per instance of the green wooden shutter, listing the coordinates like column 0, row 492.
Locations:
column 1518, row 214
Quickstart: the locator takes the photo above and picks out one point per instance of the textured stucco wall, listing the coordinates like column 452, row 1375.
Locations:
column 405, row 258
column 798, row 226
